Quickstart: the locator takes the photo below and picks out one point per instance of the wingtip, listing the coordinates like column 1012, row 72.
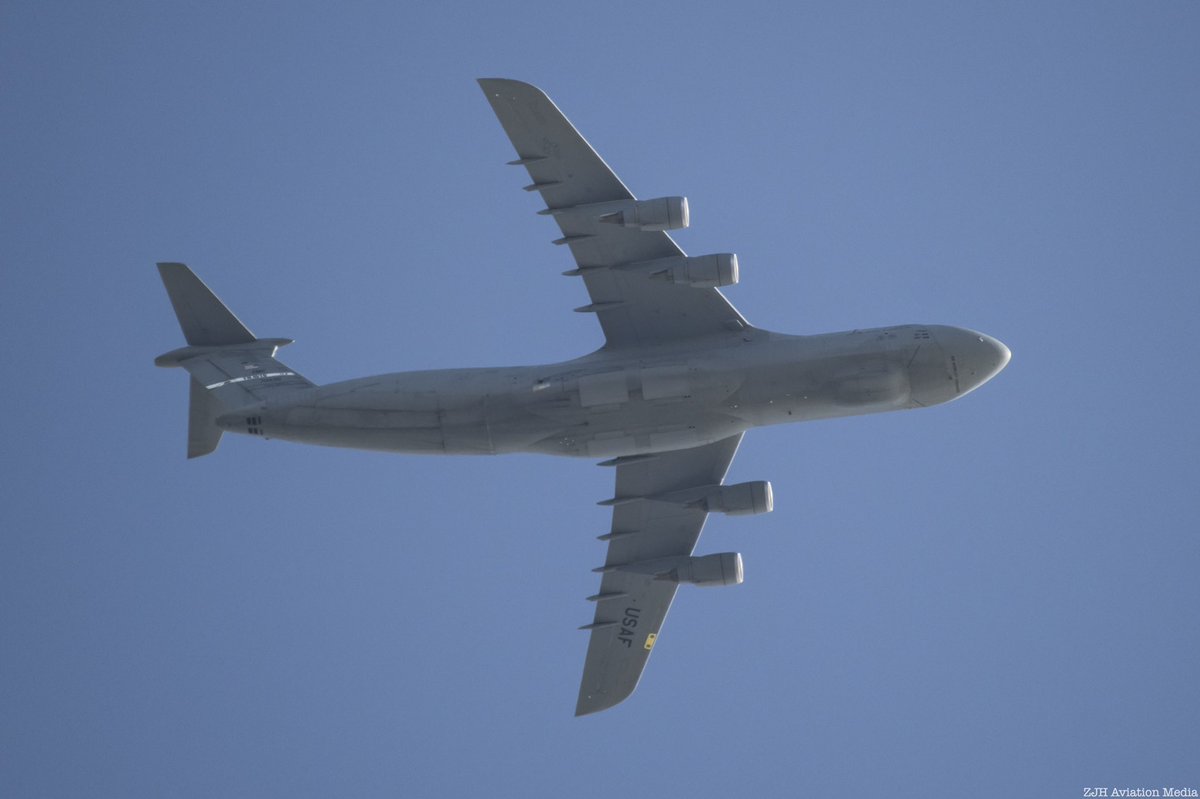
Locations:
column 495, row 86
column 588, row 705
column 582, row 710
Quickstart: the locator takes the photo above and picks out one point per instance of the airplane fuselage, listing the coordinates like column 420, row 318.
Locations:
column 681, row 376
column 613, row 403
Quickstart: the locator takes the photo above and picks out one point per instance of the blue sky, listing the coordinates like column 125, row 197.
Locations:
column 995, row 597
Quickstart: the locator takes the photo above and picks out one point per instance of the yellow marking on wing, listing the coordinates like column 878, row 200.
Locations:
column 650, row 641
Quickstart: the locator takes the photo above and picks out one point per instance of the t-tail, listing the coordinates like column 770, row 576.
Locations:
column 230, row 369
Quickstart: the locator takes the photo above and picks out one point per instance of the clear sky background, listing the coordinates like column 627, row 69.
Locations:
column 996, row 597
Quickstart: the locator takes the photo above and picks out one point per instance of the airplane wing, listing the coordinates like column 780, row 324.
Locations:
column 643, row 289
column 632, row 604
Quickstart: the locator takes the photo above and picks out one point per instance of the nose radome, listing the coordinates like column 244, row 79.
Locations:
column 977, row 357
column 998, row 356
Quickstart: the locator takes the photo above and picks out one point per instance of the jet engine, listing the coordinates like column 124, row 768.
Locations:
column 708, row 571
column 698, row 271
column 741, row 499
column 661, row 213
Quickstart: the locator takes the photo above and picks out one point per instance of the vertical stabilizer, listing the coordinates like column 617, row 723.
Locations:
column 205, row 320
column 229, row 367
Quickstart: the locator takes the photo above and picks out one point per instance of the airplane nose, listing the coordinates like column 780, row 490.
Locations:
column 985, row 357
column 974, row 357
column 996, row 357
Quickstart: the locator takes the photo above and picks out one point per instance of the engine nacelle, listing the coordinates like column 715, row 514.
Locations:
column 742, row 499
column 709, row 571
column 698, row 271
column 661, row 213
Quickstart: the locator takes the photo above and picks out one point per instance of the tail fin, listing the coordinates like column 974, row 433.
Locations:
column 229, row 367
column 205, row 320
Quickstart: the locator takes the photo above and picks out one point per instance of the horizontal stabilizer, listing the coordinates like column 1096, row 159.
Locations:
column 228, row 366
column 203, row 409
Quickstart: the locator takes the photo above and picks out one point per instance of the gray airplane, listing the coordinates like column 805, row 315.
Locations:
column 681, row 376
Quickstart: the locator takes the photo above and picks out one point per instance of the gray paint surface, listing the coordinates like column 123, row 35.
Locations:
column 681, row 377
column 992, row 598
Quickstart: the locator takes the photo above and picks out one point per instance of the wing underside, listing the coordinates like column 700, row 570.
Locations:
column 578, row 188
column 632, row 275
column 631, row 606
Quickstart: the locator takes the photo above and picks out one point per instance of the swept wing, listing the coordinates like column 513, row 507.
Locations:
column 588, row 201
column 656, row 520
column 644, row 291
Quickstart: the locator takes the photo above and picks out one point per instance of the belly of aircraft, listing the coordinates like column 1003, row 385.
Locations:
column 602, row 410
column 503, row 424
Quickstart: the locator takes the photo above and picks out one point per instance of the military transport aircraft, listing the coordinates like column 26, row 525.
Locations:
column 665, row 402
